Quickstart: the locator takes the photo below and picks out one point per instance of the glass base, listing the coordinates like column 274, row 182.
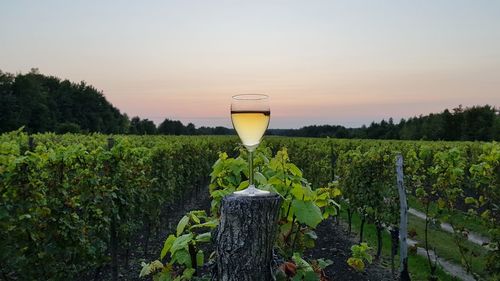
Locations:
column 252, row 191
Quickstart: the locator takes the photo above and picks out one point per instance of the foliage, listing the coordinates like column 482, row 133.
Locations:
column 360, row 255
column 47, row 104
column 58, row 200
column 473, row 123
column 486, row 178
column 140, row 126
column 303, row 209
column 182, row 248
column 367, row 180
column 58, row 197
column 450, row 174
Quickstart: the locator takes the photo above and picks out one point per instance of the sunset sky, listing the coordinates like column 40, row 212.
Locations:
column 322, row 62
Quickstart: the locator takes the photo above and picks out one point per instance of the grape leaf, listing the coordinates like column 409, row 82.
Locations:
column 182, row 225
column 307, row 212
column 167, row 245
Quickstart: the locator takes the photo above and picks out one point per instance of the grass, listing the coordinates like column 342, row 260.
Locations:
column 460, row 218
column 445, row 246
column 418, row 266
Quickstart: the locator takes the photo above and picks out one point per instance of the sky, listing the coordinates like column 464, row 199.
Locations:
column 321, row 62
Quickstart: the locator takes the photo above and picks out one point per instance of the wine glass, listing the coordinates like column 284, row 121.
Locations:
column 250, row 114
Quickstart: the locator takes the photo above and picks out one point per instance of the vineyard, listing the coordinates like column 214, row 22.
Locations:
column 71, row 203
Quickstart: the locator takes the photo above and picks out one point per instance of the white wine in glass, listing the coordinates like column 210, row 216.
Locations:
column 250, row 126
column 250, row 115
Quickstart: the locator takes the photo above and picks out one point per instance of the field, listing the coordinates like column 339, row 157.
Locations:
column 71, row 204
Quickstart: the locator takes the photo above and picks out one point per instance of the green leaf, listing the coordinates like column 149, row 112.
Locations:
column 470, row 200
column 441, row 203
column 311, row 234
column 260, row 178
column 294, row 169
column 220, row 193
column 336, row 192
column 311, row 276
column 208, row 224
column 25, row 216
column 297, row 191
column 307, row 212
column 194, row 218
column 182, row 225
column 243, row 185
column 165, row 276
column 324, row 263
column 485, row 214
column 310, row 239
column 167, row 245
column 356, row 263
column 301, row 263
column 300, row 191
column 420, row 192
column 181, row 242
column 329, row 211
column 182, row 257
column 204, row 237
column 275, row 180
column 188, row 273
column 199, row 213
column 217, row 167
column 145, row 271
column 200, row 258
column 148, row 268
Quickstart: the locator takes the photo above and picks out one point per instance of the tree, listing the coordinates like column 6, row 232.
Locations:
column 142, row 127
column 41, row 103
column 478, row 123
column 190, row 129
column 171, row 127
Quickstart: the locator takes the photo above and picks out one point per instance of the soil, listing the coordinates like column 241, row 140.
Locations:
column 333, row 243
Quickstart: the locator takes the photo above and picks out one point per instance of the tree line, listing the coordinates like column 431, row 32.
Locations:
column 47, row 104
column 173, row 127
column 466, row 124
column 43, row 103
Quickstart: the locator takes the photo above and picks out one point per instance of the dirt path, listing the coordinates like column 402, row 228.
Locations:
column 472, row 237
column 448, row 266
column 451, row 268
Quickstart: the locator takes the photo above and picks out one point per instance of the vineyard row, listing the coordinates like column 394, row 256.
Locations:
column 68, row 202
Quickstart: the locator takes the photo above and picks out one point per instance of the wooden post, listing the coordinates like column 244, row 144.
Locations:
column 245, row 237
column 403, row 224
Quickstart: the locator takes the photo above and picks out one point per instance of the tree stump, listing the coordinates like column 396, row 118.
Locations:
column 245, row 237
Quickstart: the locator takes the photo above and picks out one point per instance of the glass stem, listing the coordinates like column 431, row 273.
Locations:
column 250, row 166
